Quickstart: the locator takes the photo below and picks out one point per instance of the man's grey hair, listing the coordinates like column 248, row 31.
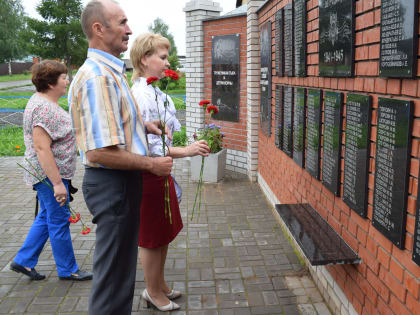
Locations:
column 93, row 12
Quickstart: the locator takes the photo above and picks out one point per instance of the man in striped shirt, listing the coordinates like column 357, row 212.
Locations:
column 111, row 137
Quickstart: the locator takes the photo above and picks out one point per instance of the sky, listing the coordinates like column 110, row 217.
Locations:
column 142, row 13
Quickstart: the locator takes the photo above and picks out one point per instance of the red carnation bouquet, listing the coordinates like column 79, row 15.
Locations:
column 169, row 75
column 211, row 133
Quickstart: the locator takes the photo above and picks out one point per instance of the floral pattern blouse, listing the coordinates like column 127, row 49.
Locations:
column 57, row 123
column 146, row 99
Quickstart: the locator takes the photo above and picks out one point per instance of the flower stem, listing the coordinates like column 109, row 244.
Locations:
column 199, row 190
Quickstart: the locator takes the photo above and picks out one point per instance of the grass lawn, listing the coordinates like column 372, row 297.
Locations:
column 11, row 141
column 15, row 77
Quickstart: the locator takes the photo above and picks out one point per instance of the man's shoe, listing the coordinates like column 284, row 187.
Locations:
column 33, row 274
column 79, row 275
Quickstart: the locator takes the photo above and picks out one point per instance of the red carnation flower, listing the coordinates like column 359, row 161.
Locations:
column 172, row 74
column 204, row 103
column 150, row 80
column 85, row 230
column 74, row 219
column 212, row 109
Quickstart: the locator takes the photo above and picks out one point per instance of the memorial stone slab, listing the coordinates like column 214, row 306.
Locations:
column 313, row 133
column 416, row 243
column 300, row 37
column 278, row 132
column 336, row 38
column 333, row 104
column 399, row 38
column 279, row 43
column 265, row 82
column 357, row 149
column 225, row 76
column 288, row 120
column 299, row 122
column 393, row 146
column 288, row 40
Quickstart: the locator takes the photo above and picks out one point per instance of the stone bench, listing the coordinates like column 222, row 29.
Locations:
column 317, row 239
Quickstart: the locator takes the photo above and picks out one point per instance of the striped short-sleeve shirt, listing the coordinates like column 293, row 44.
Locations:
column 103, row 110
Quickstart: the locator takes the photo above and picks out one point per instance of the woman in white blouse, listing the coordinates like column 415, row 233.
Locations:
column 149, row 55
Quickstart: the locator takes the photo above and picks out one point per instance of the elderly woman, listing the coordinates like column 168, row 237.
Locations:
column 51, row 152
column 149, row 55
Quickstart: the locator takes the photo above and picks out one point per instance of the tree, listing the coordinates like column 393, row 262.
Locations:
column 160, row 27
column 59, row 35
column 11, row 25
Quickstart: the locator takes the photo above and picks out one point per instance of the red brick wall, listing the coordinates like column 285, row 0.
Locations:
column 235, row 132
column 387, row 280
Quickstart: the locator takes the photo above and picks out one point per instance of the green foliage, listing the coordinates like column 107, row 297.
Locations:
column 59, row 35
column 211, row 133
column 11, row 141
column 12, row 23
column 180, row 138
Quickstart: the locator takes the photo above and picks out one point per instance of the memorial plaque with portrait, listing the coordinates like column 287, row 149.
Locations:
column 393, row 147
column 336, row 38
column 416, row 243
column 300, row 37
column 265, row 82
column 313, row 133
column 357, row 149
column 399, row 38
column 288, row 120
column 288, row 41
column 333, row 104
column 225, row 76
column 278, row 120
column 279, row 43
column 299, row 122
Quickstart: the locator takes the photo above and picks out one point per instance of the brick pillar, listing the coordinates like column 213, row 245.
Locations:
column 196, row 11
column 253, row 86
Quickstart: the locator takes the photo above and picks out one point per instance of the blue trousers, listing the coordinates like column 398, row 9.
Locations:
column 52, row 221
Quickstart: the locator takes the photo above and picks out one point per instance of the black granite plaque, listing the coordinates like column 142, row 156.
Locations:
column 299, row 122
column 315, row 236
column 225, row 76
column 279, row 43
column 288, row 120
column 416, row 245
column 278, row 131
column 313, row 133
column 333, row 103
column 399, row 38
column 336, row 38
column 288, row 40
column 300, row 37
column 393, row 145
column 356, row 157
column 265, row 83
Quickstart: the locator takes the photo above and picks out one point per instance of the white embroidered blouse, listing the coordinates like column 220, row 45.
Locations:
column 145, row 96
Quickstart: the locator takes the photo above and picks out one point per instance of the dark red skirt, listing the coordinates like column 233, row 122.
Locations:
column 155, row 228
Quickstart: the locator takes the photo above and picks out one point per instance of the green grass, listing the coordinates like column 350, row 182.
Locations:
column 20, row 103
column 15, row 77
column 11, row 141
column 180, row 138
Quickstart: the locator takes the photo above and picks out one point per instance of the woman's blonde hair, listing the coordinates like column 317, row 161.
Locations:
column 145, row 45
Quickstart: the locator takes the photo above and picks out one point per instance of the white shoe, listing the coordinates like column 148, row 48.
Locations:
column 170, row 307
column 173, row 295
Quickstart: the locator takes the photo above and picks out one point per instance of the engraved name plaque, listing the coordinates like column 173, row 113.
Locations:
column 299, row 122
column 357, row 148
column 333, row 103
column 288, row 120
column 391, row 168
column 288, row 40
column 278, row 120
column 300, row 37
column 279, row 43
column 399, row 29
column 313, row 133
column 265, row 82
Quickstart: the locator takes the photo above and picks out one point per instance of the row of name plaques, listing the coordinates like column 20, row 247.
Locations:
column 398, row 43
column 315, row 144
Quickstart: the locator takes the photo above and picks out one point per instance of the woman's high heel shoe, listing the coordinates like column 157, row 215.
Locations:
column 170, row 307
column 173, row 295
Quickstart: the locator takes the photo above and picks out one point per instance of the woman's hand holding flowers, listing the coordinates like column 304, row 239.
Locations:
column 60, row 193
column 198, row 148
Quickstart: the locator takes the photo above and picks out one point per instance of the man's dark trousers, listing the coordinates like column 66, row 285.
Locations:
column 113, row 197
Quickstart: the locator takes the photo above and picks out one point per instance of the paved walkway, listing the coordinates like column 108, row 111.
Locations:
column 8, row 84
column 233, row 260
